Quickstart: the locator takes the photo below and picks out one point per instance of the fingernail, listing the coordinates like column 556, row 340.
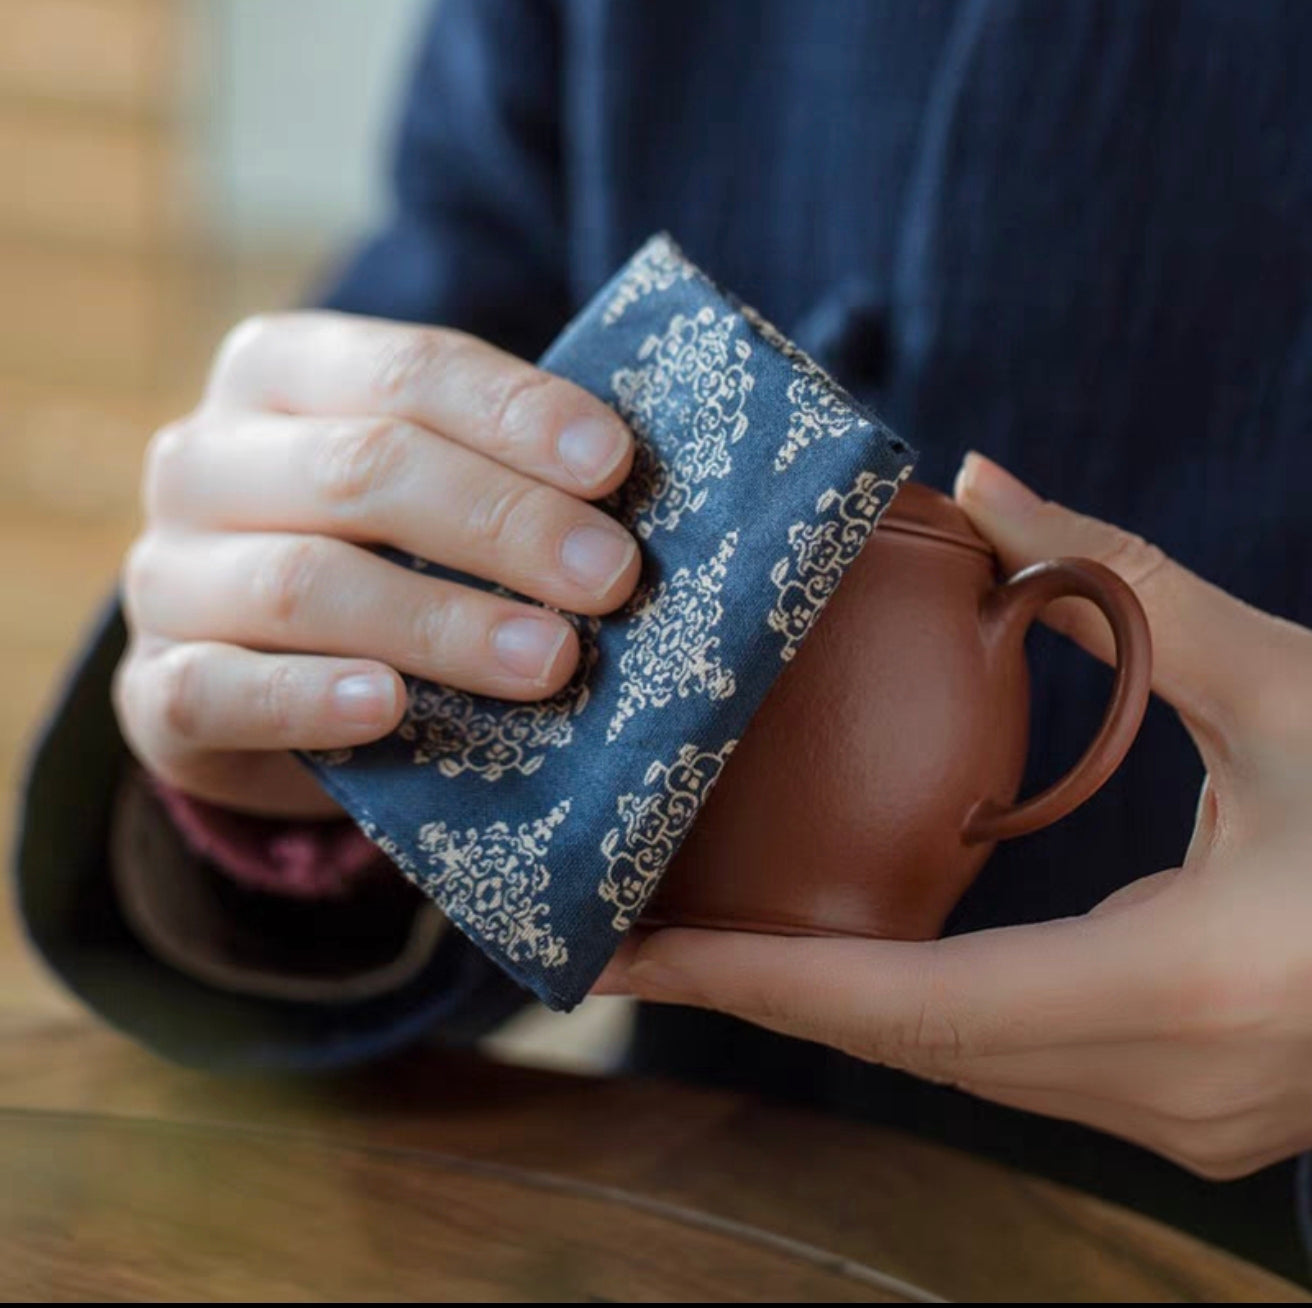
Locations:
column 993, row 488
column 590, row 448
column 364, row 697
column 528, row 646
column 596, row 556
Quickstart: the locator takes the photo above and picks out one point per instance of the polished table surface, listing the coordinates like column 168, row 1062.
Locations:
column 444, row 1176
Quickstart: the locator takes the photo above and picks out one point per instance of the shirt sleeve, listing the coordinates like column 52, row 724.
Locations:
column 477, row 238
column 475, row 241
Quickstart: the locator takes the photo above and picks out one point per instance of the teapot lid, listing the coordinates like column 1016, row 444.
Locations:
column 923, row 511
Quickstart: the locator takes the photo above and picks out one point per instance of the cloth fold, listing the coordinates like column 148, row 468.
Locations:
column 542, row 829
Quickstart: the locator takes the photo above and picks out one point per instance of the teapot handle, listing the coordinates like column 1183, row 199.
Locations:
column 1011, row 608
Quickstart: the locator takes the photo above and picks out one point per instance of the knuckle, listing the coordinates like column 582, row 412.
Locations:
column 437, row 630
column 243, row 342
column 361, row 462
column 1135, row 560
column 937, row 1046
column 125, row 691
column 278, row 700
column 412, row 361
column 175, row 691
column 506, row 511
column 509, row 401
column 162, row 464
column 140, row 571
column 931, row 1039
column 287, row 579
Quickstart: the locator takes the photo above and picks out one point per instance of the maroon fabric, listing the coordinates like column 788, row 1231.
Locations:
column 295, row 859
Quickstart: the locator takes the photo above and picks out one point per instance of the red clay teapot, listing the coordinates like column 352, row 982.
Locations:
column 883, row 766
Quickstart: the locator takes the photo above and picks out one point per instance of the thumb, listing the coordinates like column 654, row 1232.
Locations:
column 1206, row 644
column 923, row 1005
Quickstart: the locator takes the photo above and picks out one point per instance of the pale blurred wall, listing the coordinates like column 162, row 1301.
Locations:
column 303, row 98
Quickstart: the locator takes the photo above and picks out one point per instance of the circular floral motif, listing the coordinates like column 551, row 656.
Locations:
column 494, row 882
column 686, row 404
column 672, row 646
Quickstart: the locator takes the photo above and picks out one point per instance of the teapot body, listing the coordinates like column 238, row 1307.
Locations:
column 844, row 806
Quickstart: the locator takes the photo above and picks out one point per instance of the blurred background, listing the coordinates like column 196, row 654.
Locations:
column 168, row 167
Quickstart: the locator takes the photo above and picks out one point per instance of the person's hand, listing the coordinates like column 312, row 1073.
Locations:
column 1178, row 1013
column 260, row 622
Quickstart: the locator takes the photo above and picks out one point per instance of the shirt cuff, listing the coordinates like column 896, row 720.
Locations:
column 369, row 939
column 293, row 859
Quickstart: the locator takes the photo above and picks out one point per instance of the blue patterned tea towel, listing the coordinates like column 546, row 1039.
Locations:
column 542, row 829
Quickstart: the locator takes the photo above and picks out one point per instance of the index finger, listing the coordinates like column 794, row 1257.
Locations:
column 339, row 365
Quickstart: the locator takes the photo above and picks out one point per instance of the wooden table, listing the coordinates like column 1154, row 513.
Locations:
column 443, row 1176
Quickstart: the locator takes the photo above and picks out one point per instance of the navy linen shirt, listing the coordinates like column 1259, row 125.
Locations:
column 1077, row 237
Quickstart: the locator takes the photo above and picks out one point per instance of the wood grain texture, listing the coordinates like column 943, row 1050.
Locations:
column 444, row 1176
column 132, row 1211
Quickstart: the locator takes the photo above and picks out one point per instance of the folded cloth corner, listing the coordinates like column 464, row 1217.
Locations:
column 542, row 829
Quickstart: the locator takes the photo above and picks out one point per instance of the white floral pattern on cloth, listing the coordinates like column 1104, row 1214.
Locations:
column 655, row 268
column 653, row 825
column 462, row 733
column 819, row 408
column 692, row 379
column 821, row 550
column 493, row 882
column 672, row 645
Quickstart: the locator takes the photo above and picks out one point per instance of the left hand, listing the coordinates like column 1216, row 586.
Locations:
column 1178, row 1013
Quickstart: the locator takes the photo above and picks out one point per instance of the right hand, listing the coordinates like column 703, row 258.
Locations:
column 259, row 622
